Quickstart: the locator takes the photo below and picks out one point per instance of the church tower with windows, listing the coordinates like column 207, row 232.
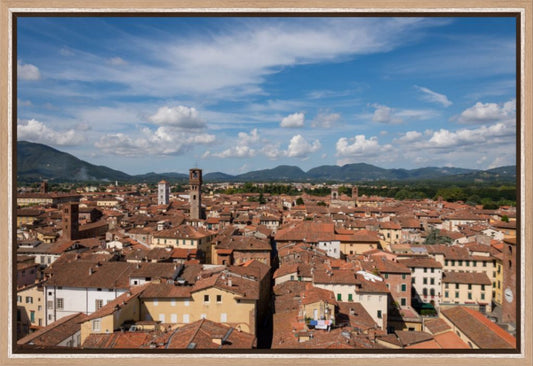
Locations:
column 195, row 193
column 163, row 193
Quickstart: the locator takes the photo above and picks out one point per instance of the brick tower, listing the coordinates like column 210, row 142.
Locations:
column 195, row 193
column 70, row 215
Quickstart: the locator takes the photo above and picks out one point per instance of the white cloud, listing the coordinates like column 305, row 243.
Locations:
column 409, row 137
column 241, row 147
column 82, row 126
column 353, row 149
column 28, row 72
column 294, row 120
column 483, row 135
column 218, row 63
column 383, row 114
column 272, row 151
column 488, row 112
column 36, row 131
column 498, row 161
column 434, row 97
column 65, row 51
column 235, row 152
column 179, row 116
column 116, row 61
column 164, row 140
column 246, row 139
column 300, row 148
column 24, row 103
column 325, row 120
column 387, row 115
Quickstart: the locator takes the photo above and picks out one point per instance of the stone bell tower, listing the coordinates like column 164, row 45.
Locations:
column 195, row 193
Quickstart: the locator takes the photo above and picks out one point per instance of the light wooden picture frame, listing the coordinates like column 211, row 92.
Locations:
column 522, row 8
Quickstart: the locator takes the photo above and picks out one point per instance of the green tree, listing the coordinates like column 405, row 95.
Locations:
column 434, row 237
column 299, row 201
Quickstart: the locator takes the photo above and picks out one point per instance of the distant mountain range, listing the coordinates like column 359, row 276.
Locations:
column 37, row 161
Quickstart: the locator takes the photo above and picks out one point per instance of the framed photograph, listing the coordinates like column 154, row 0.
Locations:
column 227, row 183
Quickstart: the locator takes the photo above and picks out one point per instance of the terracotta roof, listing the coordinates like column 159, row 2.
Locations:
column 118, row 340
column 436, row 326
column 245, row 288
column 203, row 333
column 87, row 274
column 386, row 266
column 450, row 340
column 475, row 278
column 420, row 262
column 55, row 333
column 408, row 338
column 483, row 332
column 118, row 303
column 165, row 290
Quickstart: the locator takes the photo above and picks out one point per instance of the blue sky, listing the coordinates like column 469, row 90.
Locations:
column 241, row 94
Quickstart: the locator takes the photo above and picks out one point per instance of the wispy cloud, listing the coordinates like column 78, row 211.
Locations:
column 434, row 97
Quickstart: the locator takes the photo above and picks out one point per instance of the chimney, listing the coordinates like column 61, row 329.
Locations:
column 91, row 271
column 217, row 340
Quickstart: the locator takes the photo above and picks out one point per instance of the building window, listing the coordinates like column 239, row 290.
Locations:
column 474, row 263
column 96, row 325
column 386, row 275
column 32, row 316
column 457, row 286
column 425, row 270
column 482, row 296
column 432, row 281
column 432, row 292
column 425, row 280
column 350, row 297
column 379, row 314
column 446, row 262
column 446, row 285
column 404, row 276
column 19, row 298
column 453, row 263
column 470, row 286
column 469, row 296
column 446, row 294
column 404, row 287
column 456, row 293
column 59, row 303
column 425, row 291
column 460, row 263
column 98, row 303
column 156, row 302
column 413, row 280
column 467, row 263
column 219, row 298
column 206, row 298
column 484, row 263
column 403, row 301
column 482, row 287
column 50, row 304
column 339, row 297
